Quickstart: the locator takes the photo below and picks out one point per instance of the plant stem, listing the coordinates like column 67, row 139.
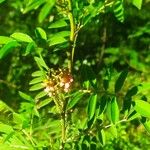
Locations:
column 63, row 125
column 72, row 36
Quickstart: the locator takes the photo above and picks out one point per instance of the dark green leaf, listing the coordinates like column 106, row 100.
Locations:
column 30, row 47
column 75, row 99
column 101, row 137
column 120, row 81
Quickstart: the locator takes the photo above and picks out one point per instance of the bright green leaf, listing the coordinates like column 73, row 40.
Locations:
column 40, row 62
column 34, row 5
column 40, row 95
column 92, row 106
column 41, row 33
column 45, row 10
column 137, row 3
column 37, row 87
column 143, row 108
column 58, row 24
column 22, row 37
column 38, row 73
column 8, row 48
column 36, row 80
column 26, row 97
column 44, row 103
column 5, row 39
column 54, row 40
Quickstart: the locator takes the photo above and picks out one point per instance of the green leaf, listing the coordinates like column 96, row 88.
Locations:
column 34, row 5
column 74, row 100
column 58, row 24
column 45, row 10
column 7, row 48
column 5, row 39
column 128, row 98
column 22, row 37
column 4, row 128
column 120, row 81
column 26, row 97
column 30, row 47
column 119, row 10
column 44, row 103
column 37, row 87
column 41, row 33
column 37, row 80
column 133, row 115
column 102, row 137
column 41, row 63
column 92, row 106
column 137, row 3
column 38, row 73
column 146, row 124
column 40, row 95
column 143, row 108
column 55, row 39
column 113, row 111
column 2, row 1
column 103, row 104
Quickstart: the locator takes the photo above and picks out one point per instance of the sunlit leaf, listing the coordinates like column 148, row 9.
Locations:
column 137, row 3
column 38, row 73
column 54, row 40
column 119, row 10
column 37, row 87
column 45, row 10
column 41, row 33
column 58, row 24
column 36, row 80
column 26, row 96
column 22, row 37
column 113, row 110
column 40, row 62
column 5, row 39
column 34, row 5
column 40, row 95
column 7, row 48
column 44, row 103
column 143, row 108
column 92, row 106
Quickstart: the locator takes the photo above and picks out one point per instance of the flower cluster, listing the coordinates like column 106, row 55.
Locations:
column 58, row 81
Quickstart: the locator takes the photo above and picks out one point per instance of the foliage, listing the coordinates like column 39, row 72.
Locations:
column 81, row 96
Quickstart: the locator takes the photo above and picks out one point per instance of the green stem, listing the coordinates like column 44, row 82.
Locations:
column 63, row 125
